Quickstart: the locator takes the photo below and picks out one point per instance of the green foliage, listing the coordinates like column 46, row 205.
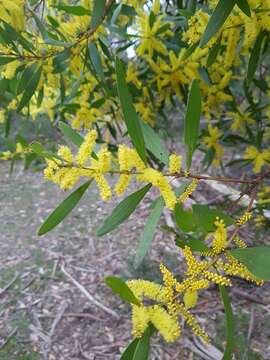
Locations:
column 256, row 259
column 149, row 231
column 192, row 120
column 120, row 288
column 62, row 211
column 130, row 116
column 219, row 16
column 230, row 323
column 122, row 211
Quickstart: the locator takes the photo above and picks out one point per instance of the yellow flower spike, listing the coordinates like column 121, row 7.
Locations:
column 161, row 182
column 175, row 163
column 189, row 190
column 65, row 153
column 103, row 164
column 86, row 148
column 259, row 158
column 140, row 319
column 244, row 218
column 234, row 268
column 104, row 187
column 190, row 299
column 193, row 323
column 216, row 278
column 166, row 324
column 220, row 237
column 122, row 184
column 194, row 266
column 239, row 242
column 148, row 289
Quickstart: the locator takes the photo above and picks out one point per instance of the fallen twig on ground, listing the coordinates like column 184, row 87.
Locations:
column 89, row 296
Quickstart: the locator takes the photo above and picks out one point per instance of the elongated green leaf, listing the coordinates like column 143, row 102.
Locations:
column 63, row 209
column 213, row 53
column 218, row 18
column 6, row 59
column 96, row 60
column 256, row 259
column 185, row 219
column 130, row 116
column 194, row 244
column 143, row 346
column 75, row 10
column 192, row 120
column 30, row 89
column 26, row 77
column 122, row 211
column 154, row 144
column 205, row 217
column 71, row 134
column 229, row 323
column 98, row 13
column 148, row 231
column 120, row 288
column 254, row 57
column 45, row 35
column 244, row 6
column 130, row 350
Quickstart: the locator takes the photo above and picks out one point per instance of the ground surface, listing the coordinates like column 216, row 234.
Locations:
column 44, row 314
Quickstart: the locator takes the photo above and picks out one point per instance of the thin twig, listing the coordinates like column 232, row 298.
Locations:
column 89, row 296
column 58, row 318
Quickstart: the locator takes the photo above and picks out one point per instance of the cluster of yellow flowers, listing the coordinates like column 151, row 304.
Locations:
column 66, row 170
column 173, row 299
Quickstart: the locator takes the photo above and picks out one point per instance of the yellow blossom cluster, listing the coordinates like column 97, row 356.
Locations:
column 173, row 299
column 66, row 170
column 259, row 158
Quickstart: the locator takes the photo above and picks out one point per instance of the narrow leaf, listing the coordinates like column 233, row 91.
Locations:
column 26, row 77
column 122, row 211
column 218, row 18
column 130, row 350
column 98, row 13
column 192, row 120
column 148, row 232
column 120, row 288
column 154, row 144
column 254, row 57
column 30, row 89
column 75, row 10
column 244, row 6
column 229, row 323
column 256, row 259
column 96, row 60
column 143, row 346
column 71, row 134
column 5, row 60
column 130, row 116
column 63, row 209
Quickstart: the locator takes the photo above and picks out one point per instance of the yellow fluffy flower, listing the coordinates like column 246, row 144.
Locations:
column 175, row 163
column 258, row 158
column 86, row 148
column 220, row 237
column 211, row 141
column 190, row 299
column 165, row 323
column 161, row 182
